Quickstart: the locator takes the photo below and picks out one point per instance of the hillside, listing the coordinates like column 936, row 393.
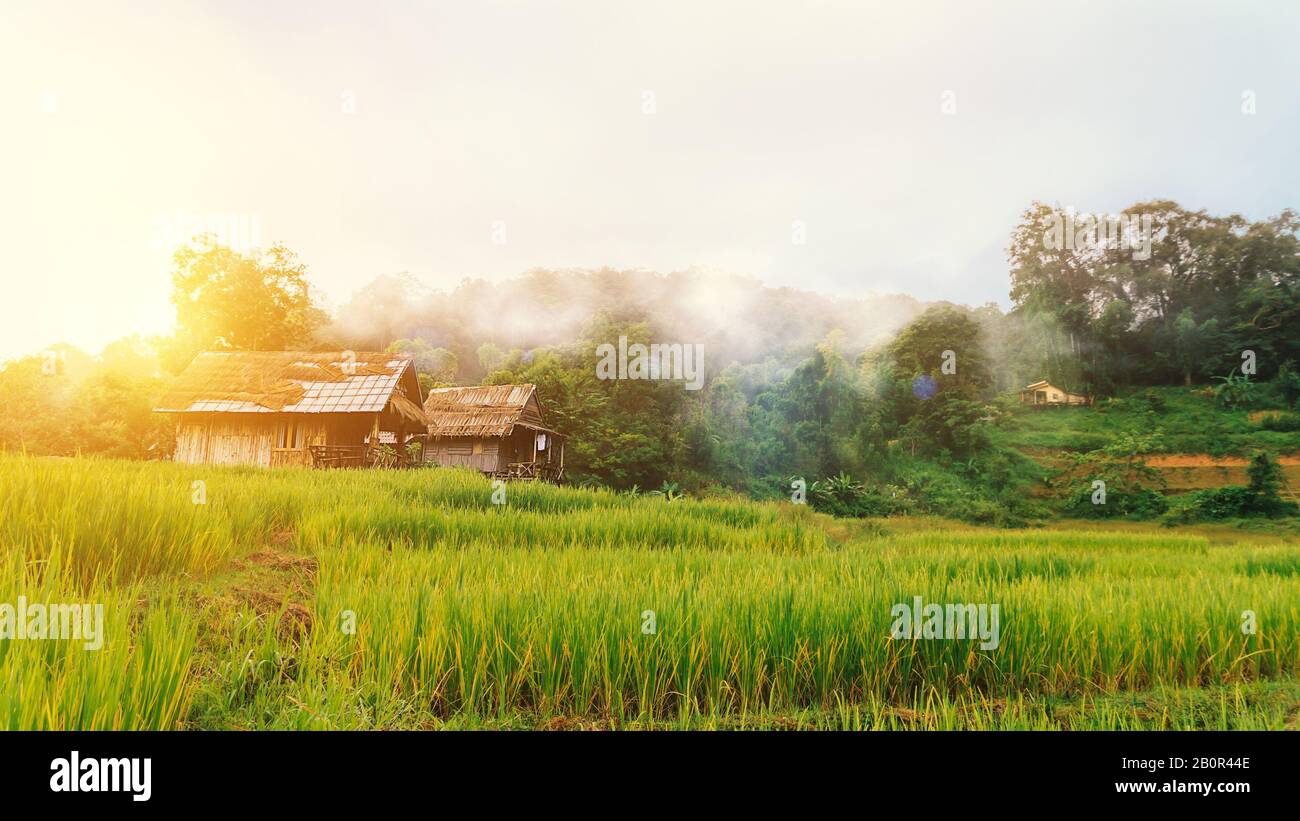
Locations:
column 1189, row 420
column 1201, row 445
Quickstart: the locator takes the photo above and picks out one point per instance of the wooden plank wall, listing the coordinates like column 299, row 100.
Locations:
column 496, row 454
column 252, row 439
column 191, row 442
column 460, row 452
column 243, row 439
column 224, row 441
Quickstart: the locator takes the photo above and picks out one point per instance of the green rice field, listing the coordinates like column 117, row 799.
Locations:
column 243, row 598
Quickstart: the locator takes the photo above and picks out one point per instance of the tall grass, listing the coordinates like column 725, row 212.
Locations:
column 468, row 613
column 487, row 630
column 136, row 679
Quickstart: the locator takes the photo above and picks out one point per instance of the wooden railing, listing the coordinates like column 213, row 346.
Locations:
column 357, row 456
column 283, row 457
column 532, row 470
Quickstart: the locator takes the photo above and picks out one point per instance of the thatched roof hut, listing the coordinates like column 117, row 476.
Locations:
column 289, row 407
column 497, row 429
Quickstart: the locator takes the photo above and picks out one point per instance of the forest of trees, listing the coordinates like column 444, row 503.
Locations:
column 1211, row 288
column 885, row 391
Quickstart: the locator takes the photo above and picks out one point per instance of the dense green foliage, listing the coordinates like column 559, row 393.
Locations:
column 224, row 299
column 1184, row 306
column 1113, row 480
column 63, row 403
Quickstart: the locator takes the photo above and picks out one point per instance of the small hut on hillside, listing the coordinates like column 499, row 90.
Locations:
column 274, row 408
column 1044, row 393
column 497, row 429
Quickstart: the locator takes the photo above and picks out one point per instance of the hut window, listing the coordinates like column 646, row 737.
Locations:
column 289, row 435
column 478, row 448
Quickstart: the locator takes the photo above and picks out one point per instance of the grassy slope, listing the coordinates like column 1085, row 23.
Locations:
column 232, row 613
column 1202, row 445
column 1191, row 423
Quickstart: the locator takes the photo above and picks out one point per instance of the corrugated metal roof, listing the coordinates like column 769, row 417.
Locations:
column 481, row 410
column 289, row 382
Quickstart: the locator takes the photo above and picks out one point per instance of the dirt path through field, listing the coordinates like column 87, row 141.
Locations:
column 278, row 585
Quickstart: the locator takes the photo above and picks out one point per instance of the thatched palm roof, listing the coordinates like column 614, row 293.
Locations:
column 295, row 382
column 483, row 410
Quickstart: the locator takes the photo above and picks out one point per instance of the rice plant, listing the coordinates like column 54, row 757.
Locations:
column 426, row 604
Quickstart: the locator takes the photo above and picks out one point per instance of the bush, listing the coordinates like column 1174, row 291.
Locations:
column 1258, row 498
column 1234, row 391
column 841, row 495
column 1286, row 385
column 1281, row 422
column 1154, row 402
column 1083, row 441
column 1131, row 488
column 1135, row 502
column 1219, row 503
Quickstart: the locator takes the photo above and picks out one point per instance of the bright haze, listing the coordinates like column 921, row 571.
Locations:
column 844, row 148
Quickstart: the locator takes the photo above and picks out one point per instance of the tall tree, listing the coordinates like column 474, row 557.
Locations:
column 945, row 344
column 255, row 302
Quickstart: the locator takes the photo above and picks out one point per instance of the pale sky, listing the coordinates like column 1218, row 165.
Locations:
column 382, row 137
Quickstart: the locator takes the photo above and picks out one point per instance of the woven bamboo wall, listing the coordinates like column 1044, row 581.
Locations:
column 460, row 452
column 244, row 439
